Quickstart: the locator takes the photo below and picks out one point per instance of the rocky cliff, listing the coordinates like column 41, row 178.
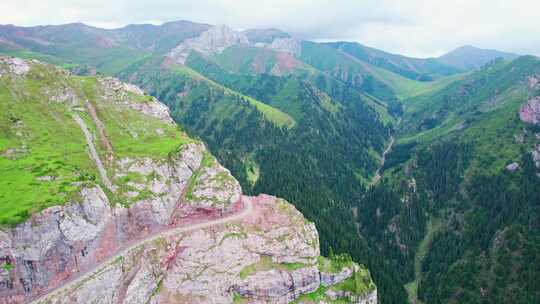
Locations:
column 530, row 111
column 105, row 200
column 220, row 37
column 213, row 41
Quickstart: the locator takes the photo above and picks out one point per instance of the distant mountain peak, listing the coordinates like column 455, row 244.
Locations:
column 468, row 57
column 213, row 41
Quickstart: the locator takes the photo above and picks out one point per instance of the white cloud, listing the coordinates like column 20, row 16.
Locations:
column 411, row 27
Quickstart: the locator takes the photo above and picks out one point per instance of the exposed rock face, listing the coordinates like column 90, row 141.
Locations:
column 286, row 45
column 279, row 285
column 328, row 279
column 220, row 37
column 16, row 66
column 512, row 167
column 536, row 156
column 532, row 81
column 62, row 240
column 370, row 298
column 530, row 111
column 213, row 41
column 268, row 256
column 151, row 107
column 113, row 84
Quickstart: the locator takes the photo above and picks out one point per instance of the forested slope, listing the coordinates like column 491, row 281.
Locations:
column 457, row 211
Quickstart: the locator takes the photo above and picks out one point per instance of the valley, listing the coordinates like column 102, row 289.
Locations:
column 419, row 148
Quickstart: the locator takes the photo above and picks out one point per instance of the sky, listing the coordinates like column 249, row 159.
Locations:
column 418, row 28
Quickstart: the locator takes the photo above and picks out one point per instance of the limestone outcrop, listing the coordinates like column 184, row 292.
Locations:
column 530, row 111
column 213, row 41
column 287, row 45
column 218, row 38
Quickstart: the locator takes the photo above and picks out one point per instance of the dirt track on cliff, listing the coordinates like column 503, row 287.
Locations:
column 93, row 153
column 248, row 208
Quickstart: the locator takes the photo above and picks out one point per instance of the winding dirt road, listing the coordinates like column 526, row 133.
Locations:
column 248, row 208
column 93, row 153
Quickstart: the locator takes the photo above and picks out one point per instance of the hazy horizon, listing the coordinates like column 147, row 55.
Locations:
column 414, row 29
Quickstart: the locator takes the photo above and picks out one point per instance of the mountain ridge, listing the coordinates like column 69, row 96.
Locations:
column 470, row 57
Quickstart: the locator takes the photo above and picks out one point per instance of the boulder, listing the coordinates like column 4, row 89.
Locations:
column 512, row 167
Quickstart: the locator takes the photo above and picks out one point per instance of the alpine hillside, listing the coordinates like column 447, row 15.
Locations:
column 390, row 156
column 101, row 191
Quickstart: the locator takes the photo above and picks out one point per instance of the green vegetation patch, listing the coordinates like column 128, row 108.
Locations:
column 279, row 118
column 207, row 161
column 360, row 283
column 43, row 156
column 316, row 296
column 7, row 266
column 335, row 263
column 246, row 59
column 133, row 134
column 265, row 263
column 253, row 171
column 407, row 88
column 238, row 299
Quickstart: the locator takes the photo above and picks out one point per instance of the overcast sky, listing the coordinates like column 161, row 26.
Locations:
column 419, row 28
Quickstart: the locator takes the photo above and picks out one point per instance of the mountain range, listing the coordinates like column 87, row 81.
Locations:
column 392, row 157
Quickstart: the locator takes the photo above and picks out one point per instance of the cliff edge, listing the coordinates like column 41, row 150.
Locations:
column 104, row 199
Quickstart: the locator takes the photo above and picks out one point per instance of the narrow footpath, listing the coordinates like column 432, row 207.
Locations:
column 80, row 277
column 93, row 153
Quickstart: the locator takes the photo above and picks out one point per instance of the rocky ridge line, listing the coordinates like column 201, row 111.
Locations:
column 219, row 37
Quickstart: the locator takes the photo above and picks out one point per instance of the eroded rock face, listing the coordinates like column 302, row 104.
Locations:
column 536, row 156
column 267, row 256
column 213, row 264
column 279, row 286
column 113, row 88
column 213, row 41
column 62, row 240
column 16, row 66
column 512, row 167
column 533, row 82
column 328, row 279
column 286, row 45
column 530, row 111
column 370, row 298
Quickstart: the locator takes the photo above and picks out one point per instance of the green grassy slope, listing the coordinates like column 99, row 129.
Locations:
column 407, row 88
column 279, row 118
column 339, row 65
column 411, row 68
column 498, row 88
column 43, row 153
column 449, row 163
